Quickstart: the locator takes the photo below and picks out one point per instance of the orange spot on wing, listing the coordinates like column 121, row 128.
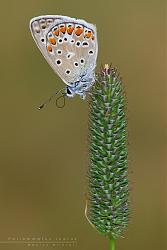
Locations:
column 78, row 30
column 52, row 40
column 70, row 30
column 56, row 32
column 62, row 29
column 88, row 34
column 49, row 47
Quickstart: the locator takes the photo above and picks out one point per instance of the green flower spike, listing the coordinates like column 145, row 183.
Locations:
column 108, row 174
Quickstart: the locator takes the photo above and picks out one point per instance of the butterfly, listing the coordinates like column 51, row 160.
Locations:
column 70, row 47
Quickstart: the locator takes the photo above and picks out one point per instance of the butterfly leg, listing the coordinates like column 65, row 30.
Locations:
column 83, row 96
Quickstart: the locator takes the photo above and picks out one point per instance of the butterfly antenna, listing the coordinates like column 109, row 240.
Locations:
column 53, row 96
column 58, row 100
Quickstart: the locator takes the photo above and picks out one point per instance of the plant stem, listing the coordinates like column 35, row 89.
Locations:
column 111, row 243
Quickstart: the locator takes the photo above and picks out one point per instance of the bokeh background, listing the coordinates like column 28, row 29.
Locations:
column 43, row 154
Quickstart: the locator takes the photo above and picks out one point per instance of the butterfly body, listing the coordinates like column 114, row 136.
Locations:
column 70, row 47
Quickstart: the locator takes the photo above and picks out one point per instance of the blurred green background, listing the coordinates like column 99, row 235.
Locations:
column 43, row 162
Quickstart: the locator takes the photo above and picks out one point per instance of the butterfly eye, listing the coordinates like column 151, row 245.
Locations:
column 69, row 91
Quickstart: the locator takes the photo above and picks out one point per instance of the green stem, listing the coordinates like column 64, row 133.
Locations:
column 111, row 243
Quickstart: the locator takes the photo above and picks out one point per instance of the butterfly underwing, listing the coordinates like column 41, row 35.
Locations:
column 70, row 47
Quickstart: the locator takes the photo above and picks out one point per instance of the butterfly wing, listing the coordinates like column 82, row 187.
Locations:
column 69, row 45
